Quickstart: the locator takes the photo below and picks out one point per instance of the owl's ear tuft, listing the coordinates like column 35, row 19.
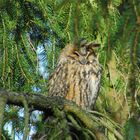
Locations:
column 93, row 45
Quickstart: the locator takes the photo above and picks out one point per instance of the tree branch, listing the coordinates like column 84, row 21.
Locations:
column 37, row 101
column 42, row 103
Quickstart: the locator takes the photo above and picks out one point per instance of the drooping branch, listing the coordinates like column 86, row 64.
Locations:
column 27, row 119
column 133, row 73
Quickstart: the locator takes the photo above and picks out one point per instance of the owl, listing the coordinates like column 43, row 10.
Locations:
column 77, row 75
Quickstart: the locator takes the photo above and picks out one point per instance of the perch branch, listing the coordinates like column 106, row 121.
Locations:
column 42, row 103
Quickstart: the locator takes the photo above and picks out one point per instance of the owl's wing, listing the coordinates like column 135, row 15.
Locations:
column 57, row 82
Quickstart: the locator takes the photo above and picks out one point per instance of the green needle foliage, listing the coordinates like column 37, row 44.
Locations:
column 26, row 25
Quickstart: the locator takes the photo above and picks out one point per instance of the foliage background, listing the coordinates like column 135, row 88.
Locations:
column 32, row 34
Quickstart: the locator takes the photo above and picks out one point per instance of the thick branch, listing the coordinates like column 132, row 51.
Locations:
column 37, row 101
column 42, row 103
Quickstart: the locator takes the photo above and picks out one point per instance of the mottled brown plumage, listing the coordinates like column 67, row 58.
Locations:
column 77, row 75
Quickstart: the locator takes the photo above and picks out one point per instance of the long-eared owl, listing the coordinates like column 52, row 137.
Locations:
column 77, row 75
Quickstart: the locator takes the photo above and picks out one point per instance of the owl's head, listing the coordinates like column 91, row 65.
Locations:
column 84, row 52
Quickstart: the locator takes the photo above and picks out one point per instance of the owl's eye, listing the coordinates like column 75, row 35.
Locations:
column 76, row 53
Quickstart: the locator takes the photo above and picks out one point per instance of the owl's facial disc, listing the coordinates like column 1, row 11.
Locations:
column 81, row 56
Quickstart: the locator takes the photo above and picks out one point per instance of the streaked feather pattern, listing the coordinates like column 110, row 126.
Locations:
column 77, row 75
